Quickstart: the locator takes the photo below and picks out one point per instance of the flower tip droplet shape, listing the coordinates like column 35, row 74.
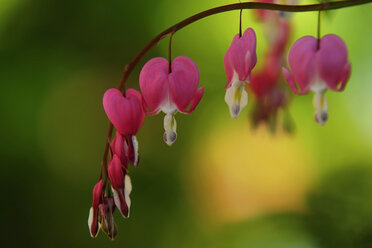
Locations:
column 93, row 223
column 318, row 66
column 125, row 113
column 239, row 61
column 170, row 91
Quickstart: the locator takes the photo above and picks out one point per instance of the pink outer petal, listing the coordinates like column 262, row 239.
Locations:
column 115, row 173
column 117, row 147
column 302, row 61
column 183, row 81
column 153, row 82
column 331, row 60
column 290, row 80
column 125, row 113
column 241, row 56
column 97, row 194
column 195, row 101
column 345, row 77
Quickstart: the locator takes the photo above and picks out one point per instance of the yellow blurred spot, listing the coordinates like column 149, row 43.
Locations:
column 239, row 173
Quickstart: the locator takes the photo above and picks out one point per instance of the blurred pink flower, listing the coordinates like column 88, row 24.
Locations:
column 318, row 67
column 239, row 61
column 170, row 90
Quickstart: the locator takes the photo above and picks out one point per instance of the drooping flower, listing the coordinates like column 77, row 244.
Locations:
column 121, row 185
column 107, row 208
column 270, row 95
column 239, row 61
column 318, row 66
column 170, row 90
column 127, row 115
column 93, row 219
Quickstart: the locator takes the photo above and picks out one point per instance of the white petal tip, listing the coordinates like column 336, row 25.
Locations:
column 135, row 150
column 321, row 118
column 235, row 111
column 170, row 138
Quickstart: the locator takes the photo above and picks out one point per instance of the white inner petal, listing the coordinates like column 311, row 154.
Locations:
column 170, row 128
column 116, row 199
column 90, row 219
column 135, row 149
column 236, row 96
column 127, row 191
column 321, row 107
column 90, row 222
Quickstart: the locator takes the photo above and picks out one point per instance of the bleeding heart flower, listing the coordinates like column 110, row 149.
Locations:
column 127, row 115
column 121, row 186
column 126, row 148
column 107, row 208
column 93, row 222
column 239, row 61
column 170, row 91
column 318, row 66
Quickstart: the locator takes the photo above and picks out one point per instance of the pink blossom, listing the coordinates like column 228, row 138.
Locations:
column 127, row 115
column 318, row 67
column 170, row 90
column 121, row 186
column 239, row 61
column 124, row 112
column 94, row 210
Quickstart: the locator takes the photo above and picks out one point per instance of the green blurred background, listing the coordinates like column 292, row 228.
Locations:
column 221, row 184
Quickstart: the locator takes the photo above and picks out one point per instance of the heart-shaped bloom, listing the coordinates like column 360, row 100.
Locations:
column 127, row 115
column 170, row 91
column 107, row 208
column 93, row 222
column 239, row 61
column 121, row 186
column 318, row 66
column 124, row 112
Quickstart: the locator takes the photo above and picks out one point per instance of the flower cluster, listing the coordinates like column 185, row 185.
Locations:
column 170, row 91
column 173, row 86
column 127, row 115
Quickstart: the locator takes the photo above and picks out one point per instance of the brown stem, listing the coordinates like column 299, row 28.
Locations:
column 170, row 53
column 237, row 6
column 240, row 23
column 318, row 34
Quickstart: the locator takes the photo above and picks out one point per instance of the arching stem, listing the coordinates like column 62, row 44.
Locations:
column 237, row 6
